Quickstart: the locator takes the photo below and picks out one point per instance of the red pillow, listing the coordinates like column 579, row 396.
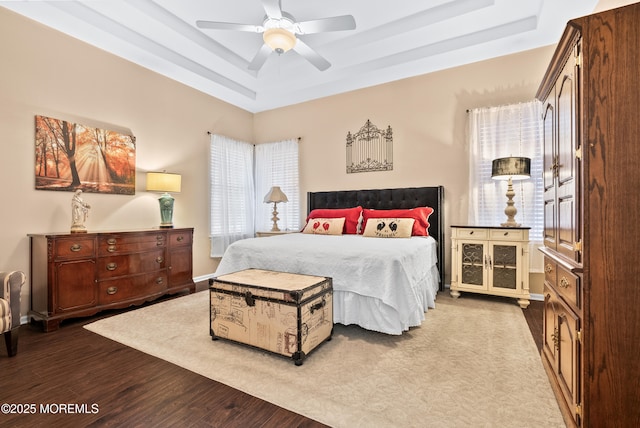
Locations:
column 420, row 214
column 351, row 217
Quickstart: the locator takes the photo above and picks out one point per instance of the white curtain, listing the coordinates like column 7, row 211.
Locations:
column 232, row 193
column 496, row 132
column 277, row 165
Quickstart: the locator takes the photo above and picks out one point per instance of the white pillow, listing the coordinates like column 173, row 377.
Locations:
column 325, row 226
column 389, row 227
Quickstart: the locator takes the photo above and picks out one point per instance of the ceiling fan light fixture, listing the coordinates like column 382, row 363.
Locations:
column 279, row 39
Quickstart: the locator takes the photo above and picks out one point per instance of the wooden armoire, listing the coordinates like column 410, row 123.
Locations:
column 591, row 116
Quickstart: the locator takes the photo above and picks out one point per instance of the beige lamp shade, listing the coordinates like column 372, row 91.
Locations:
column 275, row 195
column 164, row 182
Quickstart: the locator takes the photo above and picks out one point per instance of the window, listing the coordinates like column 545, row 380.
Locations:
column 277, row 165
column 241, row 174
column 496, row 132
column 232, row 193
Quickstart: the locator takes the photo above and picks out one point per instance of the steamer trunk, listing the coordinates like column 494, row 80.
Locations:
column 284, row 313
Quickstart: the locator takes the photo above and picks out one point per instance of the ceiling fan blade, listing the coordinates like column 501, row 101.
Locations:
column 311, row 55
column 336, row 23
column 229, row 26
column 272, row 8
column 258, row 61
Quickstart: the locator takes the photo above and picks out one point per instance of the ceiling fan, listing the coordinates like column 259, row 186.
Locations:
column 279, row 31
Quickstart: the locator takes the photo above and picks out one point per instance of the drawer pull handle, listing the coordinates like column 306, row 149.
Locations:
column 506, row 234
column 112, row 266
column 556, row 338
column 318, row 305
column 564, row 282
column 112, row 290
column 180, row 238
column 159, row 259
column 111, row 248
column 111, row 241
column 248, row 298
column 159, row 280
column 548, row 268
column 471, row 233
column 75, row 248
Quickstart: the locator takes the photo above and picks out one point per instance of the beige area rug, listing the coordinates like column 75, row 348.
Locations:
column 472, row 363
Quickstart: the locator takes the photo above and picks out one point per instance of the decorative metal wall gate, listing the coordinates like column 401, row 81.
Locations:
column 370, row 149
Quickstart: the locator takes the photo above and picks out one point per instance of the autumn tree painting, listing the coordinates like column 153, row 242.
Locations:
column 70, row 156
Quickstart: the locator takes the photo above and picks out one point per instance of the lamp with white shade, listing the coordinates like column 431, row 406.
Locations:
column 165, row 182
column 511, row 169
column 274, row 196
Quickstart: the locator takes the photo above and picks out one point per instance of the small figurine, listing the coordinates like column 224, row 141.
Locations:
column 79, row 213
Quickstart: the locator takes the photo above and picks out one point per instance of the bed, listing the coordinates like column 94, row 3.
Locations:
column 384, row 285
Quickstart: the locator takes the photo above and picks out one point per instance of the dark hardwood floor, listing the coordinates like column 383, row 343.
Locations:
column 109, row 384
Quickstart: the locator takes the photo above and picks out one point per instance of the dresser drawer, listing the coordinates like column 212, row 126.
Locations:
column 568, row 286
column 469, row 233
column 508, row 234
column 182, row 238
column 74, row 248
column 127, row 243
column 563, row 281
column 130, row 264
column 131, row 288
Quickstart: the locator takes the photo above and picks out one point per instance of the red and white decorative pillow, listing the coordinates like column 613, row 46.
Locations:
column 389, row 227
column 351, row 217
column 325, row 226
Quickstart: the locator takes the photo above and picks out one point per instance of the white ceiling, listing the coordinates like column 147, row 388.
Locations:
column 392, row 40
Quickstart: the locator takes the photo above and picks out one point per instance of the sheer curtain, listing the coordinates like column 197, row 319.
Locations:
column 496, row 132
column 232, row 193
column 277, row 165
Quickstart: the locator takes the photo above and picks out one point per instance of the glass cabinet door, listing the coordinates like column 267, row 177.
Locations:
column 504, row 266
column 472, row 263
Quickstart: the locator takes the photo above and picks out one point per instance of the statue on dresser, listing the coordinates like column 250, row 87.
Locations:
column 79, row 213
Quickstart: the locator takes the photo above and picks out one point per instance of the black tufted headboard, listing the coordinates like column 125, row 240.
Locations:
column 385, row 199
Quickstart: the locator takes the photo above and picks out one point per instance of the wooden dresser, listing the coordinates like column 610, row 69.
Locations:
column 591, row 96
column 74, row 275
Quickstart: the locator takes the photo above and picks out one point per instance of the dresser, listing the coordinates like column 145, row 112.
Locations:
column 80, row 274
column 591, row 94
column 490, row 260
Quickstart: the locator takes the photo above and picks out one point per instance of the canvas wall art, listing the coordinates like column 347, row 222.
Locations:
column 71, row 156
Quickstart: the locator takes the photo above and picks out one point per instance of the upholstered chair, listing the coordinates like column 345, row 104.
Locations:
column 10, row 286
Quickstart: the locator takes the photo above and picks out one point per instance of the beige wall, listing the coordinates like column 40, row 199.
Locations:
column 45, row 72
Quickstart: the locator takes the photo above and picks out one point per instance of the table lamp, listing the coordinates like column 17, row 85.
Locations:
column 164, row 182
column 510, row 169
column 274, row 196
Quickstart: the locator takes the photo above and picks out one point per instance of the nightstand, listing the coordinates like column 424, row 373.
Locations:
column 490, row 260
column 271, row 233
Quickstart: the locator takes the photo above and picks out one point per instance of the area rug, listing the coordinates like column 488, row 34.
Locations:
column 473, row 362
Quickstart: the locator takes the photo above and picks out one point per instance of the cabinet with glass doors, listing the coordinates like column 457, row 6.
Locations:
column 491, row 260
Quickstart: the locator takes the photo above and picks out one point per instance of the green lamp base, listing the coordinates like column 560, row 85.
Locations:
column 166, row 211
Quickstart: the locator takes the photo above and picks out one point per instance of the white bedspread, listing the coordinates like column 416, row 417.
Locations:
column 381, row 284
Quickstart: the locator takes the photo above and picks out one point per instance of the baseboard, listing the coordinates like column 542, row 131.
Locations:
column 536, row 297
column 203, row 277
